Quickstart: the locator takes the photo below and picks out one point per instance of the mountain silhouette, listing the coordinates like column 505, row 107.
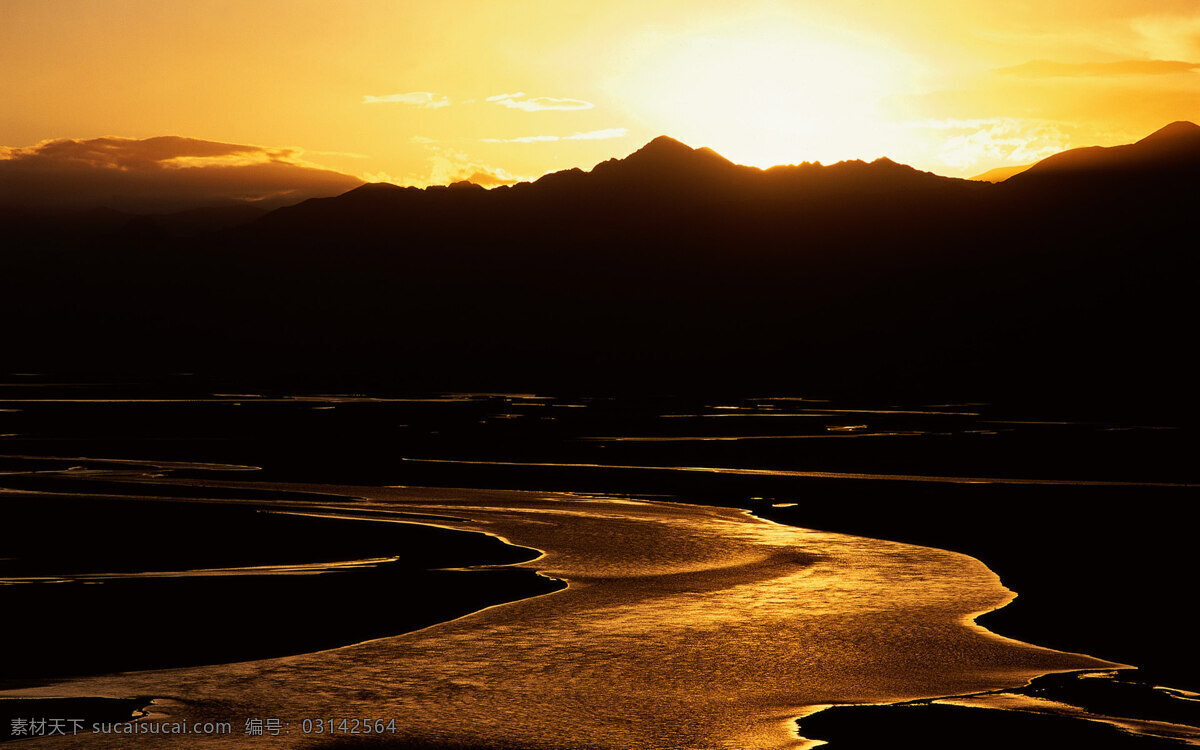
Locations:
column 662, row 178
column 1168, row 153
column 671, row 266
column 666, row 158
column 1175, row 147
column 161, row 175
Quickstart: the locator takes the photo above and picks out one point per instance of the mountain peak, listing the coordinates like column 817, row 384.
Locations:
column 1175, row 131
column 665, row 157
column 664, row 144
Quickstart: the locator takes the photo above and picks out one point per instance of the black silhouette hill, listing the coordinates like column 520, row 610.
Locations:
column 1174, row 148
column 673, row 267
column 1170, row 153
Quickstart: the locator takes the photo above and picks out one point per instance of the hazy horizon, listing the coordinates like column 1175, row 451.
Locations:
column 171, row 173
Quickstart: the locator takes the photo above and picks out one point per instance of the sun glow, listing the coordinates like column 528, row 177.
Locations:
column 425, row 93
column 770, row 96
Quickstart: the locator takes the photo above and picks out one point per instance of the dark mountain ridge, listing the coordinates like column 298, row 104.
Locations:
column 1168, row 154
column 665, row 169
column 672, row 266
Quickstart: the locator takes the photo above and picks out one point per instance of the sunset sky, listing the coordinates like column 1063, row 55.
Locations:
column 428, row 92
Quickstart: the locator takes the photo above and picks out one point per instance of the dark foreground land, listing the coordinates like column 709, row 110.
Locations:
column 670, row 269
column 1099, row 568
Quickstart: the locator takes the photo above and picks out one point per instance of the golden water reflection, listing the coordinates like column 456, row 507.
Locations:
column 683, row 626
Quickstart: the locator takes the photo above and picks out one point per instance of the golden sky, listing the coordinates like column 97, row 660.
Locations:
column 426, row 92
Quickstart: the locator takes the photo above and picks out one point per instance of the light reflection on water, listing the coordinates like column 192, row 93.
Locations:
column 682, row 626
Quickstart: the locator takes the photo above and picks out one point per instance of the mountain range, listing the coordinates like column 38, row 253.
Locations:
column 672, row 266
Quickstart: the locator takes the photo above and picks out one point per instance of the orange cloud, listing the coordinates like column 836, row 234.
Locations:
column 491, row 179
column 1009, row 141
column 448, row 165
column 537, row 103
column 423, row 99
